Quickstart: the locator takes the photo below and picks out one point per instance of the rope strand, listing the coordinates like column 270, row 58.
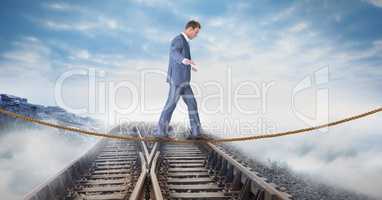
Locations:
column 153, row 139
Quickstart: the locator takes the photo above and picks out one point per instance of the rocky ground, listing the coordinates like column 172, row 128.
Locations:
column 301, row 187
column 53, row 114
column 47, row 113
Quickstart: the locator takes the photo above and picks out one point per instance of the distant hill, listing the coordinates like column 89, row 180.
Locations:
column 53, row 114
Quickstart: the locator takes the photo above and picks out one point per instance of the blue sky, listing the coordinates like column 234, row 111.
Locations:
column 250, row 41
column 141, row 29
column 119, row 26
column 260, row 40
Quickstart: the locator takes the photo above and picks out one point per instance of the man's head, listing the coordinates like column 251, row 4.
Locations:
column 192, row 29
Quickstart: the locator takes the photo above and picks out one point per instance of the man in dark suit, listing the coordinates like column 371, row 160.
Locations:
column 178, row 77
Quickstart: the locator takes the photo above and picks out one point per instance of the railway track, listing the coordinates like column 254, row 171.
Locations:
column 119, row 170
column 112, row 176
column 108, row 171
column 184, row 174
column 207, row 171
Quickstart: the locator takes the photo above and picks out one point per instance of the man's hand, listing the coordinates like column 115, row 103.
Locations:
column 194, row 68
column 188, row 62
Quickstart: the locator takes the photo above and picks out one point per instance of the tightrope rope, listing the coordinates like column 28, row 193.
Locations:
column 153, row 139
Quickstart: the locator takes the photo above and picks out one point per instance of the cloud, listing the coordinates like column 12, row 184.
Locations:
column 28, row 158
column 330, row 157
column 26, row 66
column 64, row 7
column 298, row 27
column 156, row 35
column 216, row 22
column 83, row 54
column 83, row 20
column 28, row 54
column 282, row 15
column 154, row 3
column 85, row 26
column 377, row 3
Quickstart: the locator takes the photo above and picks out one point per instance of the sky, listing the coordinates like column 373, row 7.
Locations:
column 264, row 66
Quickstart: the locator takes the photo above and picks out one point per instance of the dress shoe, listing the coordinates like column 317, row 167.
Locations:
column 195, row 137
column 165, row 138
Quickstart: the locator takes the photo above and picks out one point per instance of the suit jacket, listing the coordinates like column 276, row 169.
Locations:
column 179, row 73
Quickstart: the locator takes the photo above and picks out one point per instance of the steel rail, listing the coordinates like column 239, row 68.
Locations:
column 256, row 183
column 139, row 186
column 154, row 180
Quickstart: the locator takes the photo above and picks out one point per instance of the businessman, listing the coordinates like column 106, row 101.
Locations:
column 178, row 77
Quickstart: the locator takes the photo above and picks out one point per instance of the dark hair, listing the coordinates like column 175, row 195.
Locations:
column 194, row 24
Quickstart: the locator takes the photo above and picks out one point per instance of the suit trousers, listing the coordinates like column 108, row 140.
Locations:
column 177, row 91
